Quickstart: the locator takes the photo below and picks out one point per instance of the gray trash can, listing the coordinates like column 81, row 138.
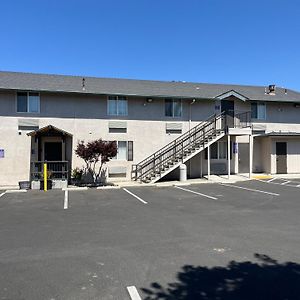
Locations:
column 182, row 172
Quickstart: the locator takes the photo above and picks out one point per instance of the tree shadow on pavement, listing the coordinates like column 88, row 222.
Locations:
column 264, row 280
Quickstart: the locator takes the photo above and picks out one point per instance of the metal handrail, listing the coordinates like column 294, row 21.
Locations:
column 56, row 169
column 177, row 148
column 195, row 137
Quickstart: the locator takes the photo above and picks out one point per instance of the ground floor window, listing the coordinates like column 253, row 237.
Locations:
column 218, row 150
column 125, row 150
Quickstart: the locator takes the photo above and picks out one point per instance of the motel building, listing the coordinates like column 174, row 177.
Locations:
column 158, row 125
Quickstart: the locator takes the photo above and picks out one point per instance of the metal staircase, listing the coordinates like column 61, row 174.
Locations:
column 180, row 150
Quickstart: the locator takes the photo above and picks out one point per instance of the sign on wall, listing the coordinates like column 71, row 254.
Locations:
column 1, row 153
column 235, row 148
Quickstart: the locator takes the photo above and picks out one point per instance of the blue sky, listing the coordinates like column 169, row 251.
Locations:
column 219, row 41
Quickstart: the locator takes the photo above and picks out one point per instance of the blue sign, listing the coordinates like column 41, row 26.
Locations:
column 1, row 153
column 235, row 148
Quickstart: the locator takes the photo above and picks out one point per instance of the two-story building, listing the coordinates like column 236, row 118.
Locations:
column 158, row 125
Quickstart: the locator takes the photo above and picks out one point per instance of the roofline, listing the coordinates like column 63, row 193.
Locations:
column 137, row 79
column 105, row 94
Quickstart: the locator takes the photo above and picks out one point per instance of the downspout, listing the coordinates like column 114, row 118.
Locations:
column 190, row 123
column 190, row 114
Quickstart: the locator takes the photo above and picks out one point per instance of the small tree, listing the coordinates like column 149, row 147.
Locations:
column 95, row 152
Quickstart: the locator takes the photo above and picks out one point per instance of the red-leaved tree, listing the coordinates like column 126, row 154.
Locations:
column 95, row 152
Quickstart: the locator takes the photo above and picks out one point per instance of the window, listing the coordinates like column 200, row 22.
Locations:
column 258, row 110
column 173, row 108
column 125, row 151
column 218, row 150
column 28, row 102
column 117, row 127
column 117, row 106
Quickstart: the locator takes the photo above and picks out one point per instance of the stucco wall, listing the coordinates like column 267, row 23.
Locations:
column 85, row 117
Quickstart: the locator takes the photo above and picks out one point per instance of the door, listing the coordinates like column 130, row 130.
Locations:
column 227, row 106
column 281, row 152
column 53, row 151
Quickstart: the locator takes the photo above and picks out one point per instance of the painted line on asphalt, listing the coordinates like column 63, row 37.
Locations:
column 15, row 191
column 133, row 293
column 271, row 179
column 197, row 193
column 135, row 196
column 66, row 199
column 251, row 190
column 2, row 194
column 279, row 183
column 85, row 188
column 286, row 182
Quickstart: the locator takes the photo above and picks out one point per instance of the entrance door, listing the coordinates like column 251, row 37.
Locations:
column 227, row 106
column 53, row 151
column 281, row 165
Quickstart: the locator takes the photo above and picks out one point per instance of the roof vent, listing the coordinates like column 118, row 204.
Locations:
column 272, row 89
column 83, row 84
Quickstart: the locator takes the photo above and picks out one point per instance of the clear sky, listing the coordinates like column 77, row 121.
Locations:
column 218, row 41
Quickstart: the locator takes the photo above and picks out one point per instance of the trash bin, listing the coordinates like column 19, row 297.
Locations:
column 24, row 185
column 182, row 172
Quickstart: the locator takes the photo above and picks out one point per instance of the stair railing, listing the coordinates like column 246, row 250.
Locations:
column 176, row 150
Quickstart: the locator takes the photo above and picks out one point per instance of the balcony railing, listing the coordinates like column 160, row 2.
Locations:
column 55, row 170
column 242, row 119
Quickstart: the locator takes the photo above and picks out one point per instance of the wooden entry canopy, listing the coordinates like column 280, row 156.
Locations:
column 49, row 130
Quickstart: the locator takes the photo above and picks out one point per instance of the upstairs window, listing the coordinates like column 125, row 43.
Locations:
column 173, row 108
column 117, row 106
column 258, row 110
column 28, row 102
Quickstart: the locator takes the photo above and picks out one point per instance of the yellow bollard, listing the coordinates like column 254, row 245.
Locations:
column 45, row 177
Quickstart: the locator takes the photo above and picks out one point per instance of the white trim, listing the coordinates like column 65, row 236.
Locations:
column 232, row 93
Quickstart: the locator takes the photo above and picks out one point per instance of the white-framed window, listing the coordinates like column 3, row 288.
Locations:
column 173, row 107
column 218, row 150
column 117, row 106
column 258, row 110
column 28, row 102
column 125, row 150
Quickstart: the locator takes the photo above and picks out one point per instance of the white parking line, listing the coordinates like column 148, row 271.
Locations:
column 271, row 179
column 247, row 189
column 200, row 194
column 133, row 293
column 286, row 182
column 66, row 200
column 2, row 194
column 135, row 196
column 15, row 191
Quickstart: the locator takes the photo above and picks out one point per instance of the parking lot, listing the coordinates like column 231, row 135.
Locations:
column 152, row 242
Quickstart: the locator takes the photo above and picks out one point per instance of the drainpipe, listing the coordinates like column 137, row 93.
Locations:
column 190, row 114
column 190, row 121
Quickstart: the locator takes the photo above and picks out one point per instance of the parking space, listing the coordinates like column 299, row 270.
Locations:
column 113, row 244
column 293, row 182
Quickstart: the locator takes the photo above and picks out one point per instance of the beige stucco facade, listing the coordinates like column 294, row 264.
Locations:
column 85, row 118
